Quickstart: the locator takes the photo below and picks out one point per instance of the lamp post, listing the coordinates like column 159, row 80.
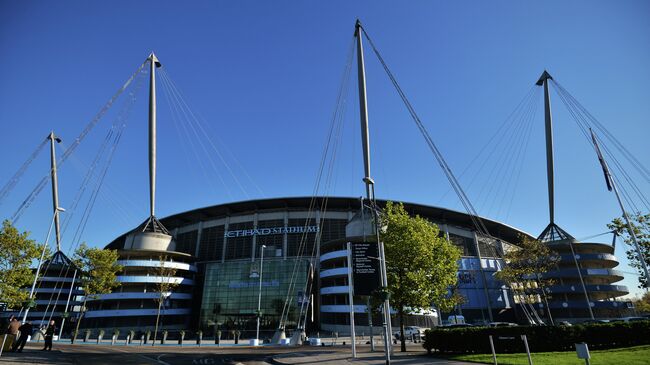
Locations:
column 40, row 261
column 259, row 297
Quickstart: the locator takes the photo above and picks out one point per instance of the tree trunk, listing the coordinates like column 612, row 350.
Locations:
column 155, row 332
column 401, row 330
column 548, row 309
column 76, row 330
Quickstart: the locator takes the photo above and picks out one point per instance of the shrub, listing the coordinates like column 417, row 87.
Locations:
column 540, row 338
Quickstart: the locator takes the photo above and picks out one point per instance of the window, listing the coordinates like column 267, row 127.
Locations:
column 273, row 242
column 301, row 243
column 239, row 247
column 333, row 229
column 211, row 243
column 186, row 242
column 231, row 292
column 465, row 244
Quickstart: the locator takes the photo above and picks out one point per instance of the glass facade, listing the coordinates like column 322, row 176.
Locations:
column 466, row 245
column 273, row 242
column 239, row 247
column 186, row 242
column 231, row 289
column 301, row 243
column 211, row 247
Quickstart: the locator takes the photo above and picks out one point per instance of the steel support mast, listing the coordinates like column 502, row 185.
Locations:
column 55, row 219
column 548, row 123
column 370, row 184
column 55, row 189
column 153, row 64
column 548, row 127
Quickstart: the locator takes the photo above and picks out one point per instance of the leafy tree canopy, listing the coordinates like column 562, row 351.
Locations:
column 17, row 252
column 99, row 269
column 421, row 265
column 526, row 266
column 641, row 225
column 532, row 257
column 642, row 304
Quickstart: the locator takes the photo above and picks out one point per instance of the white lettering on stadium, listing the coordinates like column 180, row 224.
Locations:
column 270, row 231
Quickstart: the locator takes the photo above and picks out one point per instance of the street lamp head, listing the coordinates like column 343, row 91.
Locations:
column 60, row 209
column 263, row 246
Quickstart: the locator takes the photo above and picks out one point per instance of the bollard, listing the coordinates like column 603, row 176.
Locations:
column 530, row 360
column 583, row 352
column 494, row 354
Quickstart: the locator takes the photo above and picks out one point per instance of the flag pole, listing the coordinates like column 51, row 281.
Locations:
column 611, row 185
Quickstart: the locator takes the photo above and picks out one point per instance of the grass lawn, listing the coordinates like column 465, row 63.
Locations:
column 627, row 356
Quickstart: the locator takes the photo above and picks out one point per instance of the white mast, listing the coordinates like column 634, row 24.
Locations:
column 370, row 184
column 543, row 80
column 154, row 63
column 55, row 188
column 552, row 231
column 151, row 235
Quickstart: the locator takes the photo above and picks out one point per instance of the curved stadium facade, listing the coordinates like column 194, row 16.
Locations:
column 217, row 256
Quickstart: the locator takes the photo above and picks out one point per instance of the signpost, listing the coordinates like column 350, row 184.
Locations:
column 494, row 354
column 583, row 352
column 530, row 360
column 364, row 276
column 365, row 267
column 351, row 301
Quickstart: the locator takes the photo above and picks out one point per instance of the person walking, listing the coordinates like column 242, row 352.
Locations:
column 12, row 329
column 25, row 331
column 49, row 336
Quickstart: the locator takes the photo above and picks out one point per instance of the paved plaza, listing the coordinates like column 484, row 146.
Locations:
column 67, row 354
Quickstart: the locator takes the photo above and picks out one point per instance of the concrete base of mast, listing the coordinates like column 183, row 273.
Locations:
column 278, row 336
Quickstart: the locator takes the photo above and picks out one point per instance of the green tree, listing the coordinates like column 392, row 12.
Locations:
column 420, row 265
column 524, row 271
column 99, row 270
column 641, row 225
column 163, row 287
column 642, row 304
column 17, row 252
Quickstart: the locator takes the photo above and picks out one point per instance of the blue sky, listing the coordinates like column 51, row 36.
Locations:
column 263, row 76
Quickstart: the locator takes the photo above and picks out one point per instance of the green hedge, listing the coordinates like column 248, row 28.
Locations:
column 540, row 338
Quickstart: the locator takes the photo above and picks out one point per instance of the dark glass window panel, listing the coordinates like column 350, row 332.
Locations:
column 211, row 243
column 186, row 242
column 301, row 243
column 239, row 247
column 333, row 229
column 465, row 244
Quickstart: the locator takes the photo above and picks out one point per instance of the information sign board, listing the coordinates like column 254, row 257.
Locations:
column 365, row 267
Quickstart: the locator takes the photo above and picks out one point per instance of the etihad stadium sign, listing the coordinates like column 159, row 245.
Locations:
column 270, row 231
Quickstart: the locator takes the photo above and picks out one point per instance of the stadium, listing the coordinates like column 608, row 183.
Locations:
column 216, row 251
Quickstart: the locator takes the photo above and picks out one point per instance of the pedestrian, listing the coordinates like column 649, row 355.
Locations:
column 49, row 335
column 12, row 329
column 25, row 331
